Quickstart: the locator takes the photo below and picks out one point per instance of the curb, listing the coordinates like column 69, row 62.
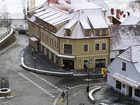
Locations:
column 52, row 73
column 8, row 97
column 91, row 98
column 7, row 48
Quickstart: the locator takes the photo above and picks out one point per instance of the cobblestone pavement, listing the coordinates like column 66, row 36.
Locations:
column 79, row 96
column 111, row 97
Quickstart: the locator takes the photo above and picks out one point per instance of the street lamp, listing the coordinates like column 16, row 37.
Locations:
column 67, row 89
column 86, row 69
column 34, row 57
column 34, row 61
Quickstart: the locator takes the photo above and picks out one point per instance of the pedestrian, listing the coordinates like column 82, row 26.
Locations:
column 63, row 95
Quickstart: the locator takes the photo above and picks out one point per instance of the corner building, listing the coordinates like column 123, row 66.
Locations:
column 71, row 35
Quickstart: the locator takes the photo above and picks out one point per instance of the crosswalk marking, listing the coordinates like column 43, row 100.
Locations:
column 41, row 88
column 47, row 82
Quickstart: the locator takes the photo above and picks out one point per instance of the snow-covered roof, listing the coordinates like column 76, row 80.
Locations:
column 94, row 20
column 42, row 13
column 70, row 24
column 124, row 36
column 131, row 20
column 131, row 54
column 86, row 5
column 126, row 80
column 46, row 15
column 85, row 16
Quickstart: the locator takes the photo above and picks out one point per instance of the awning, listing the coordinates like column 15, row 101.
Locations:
column 56, row 53
column 34, row 39
column 125, row 80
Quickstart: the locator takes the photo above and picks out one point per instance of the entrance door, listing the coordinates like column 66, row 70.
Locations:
column 130, row 91
column 68, row 64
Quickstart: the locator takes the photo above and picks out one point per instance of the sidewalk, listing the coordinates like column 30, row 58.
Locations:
column 41, row 62
column 107, row 96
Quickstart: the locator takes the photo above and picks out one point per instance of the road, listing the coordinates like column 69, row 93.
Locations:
column 29, row 88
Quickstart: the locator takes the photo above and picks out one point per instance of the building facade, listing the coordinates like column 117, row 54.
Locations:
column 124, row 73
column 71, row 37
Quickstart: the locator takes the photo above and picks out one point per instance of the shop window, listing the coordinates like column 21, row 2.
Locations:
column 137, row 92
column 99, row 63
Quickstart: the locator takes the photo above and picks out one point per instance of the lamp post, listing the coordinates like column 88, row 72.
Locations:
column 67, row 88
column 34, row 61
column 86, row 69
column 34, row 57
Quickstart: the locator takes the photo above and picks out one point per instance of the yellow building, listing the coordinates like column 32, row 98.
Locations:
column 72, row 35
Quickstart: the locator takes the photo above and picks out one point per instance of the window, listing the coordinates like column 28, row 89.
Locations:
column 85, row 47
column 118, row 85
column 97, row 46
column 97, row 32
column 104, row 46
column 67, row 49
column 87, row 32
column 68, row 32
column 103, row 32
column 123, row 66
column 99, row 63
column 137, row 92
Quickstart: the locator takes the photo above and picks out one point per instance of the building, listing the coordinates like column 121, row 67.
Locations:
column 71, row 34
column 124, row 73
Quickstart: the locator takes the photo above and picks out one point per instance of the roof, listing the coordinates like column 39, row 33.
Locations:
column 131, row 54
column 124, row 36
column 87, row 15
column 131, row 20
column 94, row 20
column 126, row 80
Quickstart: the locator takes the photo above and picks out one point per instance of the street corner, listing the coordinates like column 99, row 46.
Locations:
column 59, row 101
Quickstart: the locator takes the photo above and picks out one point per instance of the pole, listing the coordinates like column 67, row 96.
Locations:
column 67, row 94
column 34, row 61
column 88, row 82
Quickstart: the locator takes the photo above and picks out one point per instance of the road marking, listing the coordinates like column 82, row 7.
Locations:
column 46, row 81
column 41, row 88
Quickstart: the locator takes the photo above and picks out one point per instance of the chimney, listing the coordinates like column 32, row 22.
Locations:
column 117, row 13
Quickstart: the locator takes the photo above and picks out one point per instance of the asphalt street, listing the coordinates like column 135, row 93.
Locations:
column 29, row 88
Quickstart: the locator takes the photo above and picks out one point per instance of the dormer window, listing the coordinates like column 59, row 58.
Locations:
column 97, row 32
column 87, row 32
column 103, row 32
column 123, row 66
column 67, row 32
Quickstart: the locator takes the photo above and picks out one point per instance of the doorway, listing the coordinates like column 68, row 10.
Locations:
column 130, row 91
column 68, row 64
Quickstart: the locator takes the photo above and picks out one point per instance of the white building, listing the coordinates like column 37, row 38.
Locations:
column 124, row 73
